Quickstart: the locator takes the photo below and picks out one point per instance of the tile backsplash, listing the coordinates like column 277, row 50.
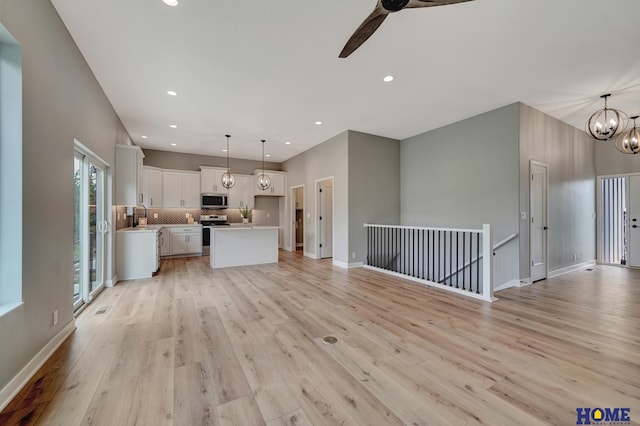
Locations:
column 124, row 217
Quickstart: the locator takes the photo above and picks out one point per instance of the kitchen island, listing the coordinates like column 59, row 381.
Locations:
column 243, row 245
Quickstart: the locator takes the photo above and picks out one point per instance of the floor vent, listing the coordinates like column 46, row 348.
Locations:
column 329, row 340
column 103, row 310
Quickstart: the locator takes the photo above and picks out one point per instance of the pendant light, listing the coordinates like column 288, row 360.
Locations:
column 606, row 123
column 228, row 180
column 629, row 141
column 263, row 181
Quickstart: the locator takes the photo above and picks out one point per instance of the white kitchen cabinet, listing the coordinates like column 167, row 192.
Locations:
column 242, row 193
column 278, row 183
column 136, row 253
column 129, row 175
column 186, row 240
column 181, row 189
column 152, row 187
column 165, row 243
column 211, row 180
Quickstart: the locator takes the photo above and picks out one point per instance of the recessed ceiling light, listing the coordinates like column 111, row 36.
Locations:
column 173, row 126
column 172, row 93
column 174, row 144
column 170, row 2
column 224, row 150
column 318, row 123
column 388, row 78
column 143, row 137
column 268, row 155
column 287, row 143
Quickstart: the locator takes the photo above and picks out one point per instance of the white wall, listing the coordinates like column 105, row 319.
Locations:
column 62, row 101
column 570, row 155
column 610, row 161
column 325, row 160
column 463, row 175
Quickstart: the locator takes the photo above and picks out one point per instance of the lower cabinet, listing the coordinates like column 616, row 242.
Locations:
column 183, row 241
column 136, row 254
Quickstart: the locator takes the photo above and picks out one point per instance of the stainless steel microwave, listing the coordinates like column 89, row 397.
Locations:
column 213, row 201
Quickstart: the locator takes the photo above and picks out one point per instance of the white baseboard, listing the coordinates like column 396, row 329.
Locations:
column 525, row 282
column 508, row 284
column 311, row 255
column 299, row 244
column 340, row 264
column 571, row 268
column 113, row 281
column 22, row 378
column 356, row 265
column 288, row 248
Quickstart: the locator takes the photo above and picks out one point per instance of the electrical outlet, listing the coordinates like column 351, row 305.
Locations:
column 575, row 257
column 268, row 215
column 55, row 317
column 353, row 255
column 187, row 215
column 155, row 215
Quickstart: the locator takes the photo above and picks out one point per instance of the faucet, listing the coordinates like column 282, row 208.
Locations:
column 134, row 214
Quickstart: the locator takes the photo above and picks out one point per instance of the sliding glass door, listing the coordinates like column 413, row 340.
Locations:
column 89, row 227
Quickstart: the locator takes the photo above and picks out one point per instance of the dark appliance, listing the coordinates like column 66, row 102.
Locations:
column 209, row 221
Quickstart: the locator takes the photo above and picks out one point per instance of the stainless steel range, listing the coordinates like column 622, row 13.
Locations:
column 209, row 221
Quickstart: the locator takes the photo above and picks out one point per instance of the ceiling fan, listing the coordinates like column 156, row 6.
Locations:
column 380, row 13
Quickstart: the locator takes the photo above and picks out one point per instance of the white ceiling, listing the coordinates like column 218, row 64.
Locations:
column 269, row 69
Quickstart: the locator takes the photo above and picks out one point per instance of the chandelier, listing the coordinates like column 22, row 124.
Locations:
column 228, row 180
column 606, row 123
column 263, row 181
column 629, row 141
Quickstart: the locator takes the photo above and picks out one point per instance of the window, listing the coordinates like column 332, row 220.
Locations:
column 10, row 172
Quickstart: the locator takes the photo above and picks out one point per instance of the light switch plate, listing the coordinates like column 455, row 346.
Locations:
column 523, row 215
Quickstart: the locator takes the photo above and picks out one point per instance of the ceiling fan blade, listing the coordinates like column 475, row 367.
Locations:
column 431, row 3
column 364, row 31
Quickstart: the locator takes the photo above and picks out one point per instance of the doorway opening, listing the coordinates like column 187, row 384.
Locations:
column 90, row 246
column 324, row 210
column 613, row 222
column 297, row 213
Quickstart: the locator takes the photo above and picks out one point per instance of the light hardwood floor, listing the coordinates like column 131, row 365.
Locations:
column 243, row 346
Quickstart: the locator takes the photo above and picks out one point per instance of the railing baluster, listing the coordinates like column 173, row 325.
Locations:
column 478, row 263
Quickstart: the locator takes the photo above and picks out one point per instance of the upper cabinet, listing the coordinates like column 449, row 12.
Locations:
column 152, row 187
column 211, row 179
column 129, row 175
column 278, row 183
column 242, row 193
column 181, row 189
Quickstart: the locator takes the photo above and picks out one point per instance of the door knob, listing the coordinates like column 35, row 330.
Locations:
column 545, row 228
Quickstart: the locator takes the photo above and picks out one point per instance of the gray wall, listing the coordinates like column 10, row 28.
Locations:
column 610, row 161
column 374, row 187
column 61, row 101
column 570, row 156
column 463, row 175
column 325, row 160
column 180, row 161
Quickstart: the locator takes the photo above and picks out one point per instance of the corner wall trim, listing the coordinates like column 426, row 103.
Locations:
column 113, row 281
column 311, row 255
column 340, row 264
column 22, row 378
column 571, row 268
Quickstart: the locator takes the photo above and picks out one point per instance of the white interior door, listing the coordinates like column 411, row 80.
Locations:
column 325, row 207
column 538, row 221
column 634, row 221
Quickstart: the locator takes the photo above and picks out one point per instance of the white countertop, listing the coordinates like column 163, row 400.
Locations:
column 156, row 228
column 241, row 227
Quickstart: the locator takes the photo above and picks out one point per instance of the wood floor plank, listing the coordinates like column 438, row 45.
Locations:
column 194, row 346
column 296, row 418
